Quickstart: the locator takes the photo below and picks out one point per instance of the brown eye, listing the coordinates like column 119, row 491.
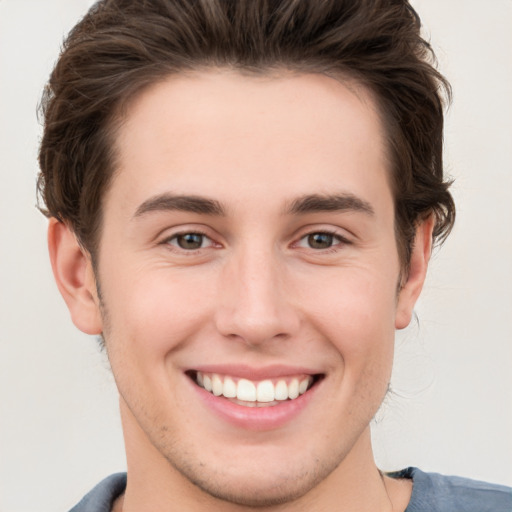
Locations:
column 189, row 241
column 320, row 240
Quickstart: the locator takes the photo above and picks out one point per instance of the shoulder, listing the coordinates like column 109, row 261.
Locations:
column 101, row 498
column 433, row 492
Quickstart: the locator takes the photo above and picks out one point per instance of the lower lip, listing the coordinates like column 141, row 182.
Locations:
column 256, row 418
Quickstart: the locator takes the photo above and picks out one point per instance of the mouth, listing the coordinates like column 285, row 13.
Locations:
column 249, row 393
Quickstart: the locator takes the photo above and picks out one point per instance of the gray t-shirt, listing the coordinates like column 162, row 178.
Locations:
column 431, row 492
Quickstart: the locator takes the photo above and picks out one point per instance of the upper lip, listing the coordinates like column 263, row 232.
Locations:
column 255, row 373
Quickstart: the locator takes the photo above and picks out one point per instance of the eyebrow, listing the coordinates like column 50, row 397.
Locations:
column 330, row 203
column 184, row 203
column 305, row 204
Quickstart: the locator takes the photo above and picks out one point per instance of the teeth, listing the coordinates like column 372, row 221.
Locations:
column 281, row 390
column 229, row 388
column 217, row 386
column 293, row 389
column 264, row 391
column 207, row 383
column 246, row 391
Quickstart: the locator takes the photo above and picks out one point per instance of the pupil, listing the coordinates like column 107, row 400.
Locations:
column 320, row 240
column 190, row 241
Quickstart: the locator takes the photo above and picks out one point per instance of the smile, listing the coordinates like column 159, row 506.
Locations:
column 250, row 393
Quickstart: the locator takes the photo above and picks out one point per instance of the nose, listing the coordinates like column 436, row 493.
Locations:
column 256, row 299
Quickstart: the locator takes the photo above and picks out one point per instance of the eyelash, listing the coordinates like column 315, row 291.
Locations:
column 339, row 239
column 175, row 236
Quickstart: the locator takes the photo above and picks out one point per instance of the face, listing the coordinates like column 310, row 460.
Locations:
column 249, row 280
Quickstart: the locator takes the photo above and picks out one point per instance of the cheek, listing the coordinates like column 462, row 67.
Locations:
column 357, row 317
column 153, row 313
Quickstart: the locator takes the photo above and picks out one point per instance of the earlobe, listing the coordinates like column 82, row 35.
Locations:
column 73, row 272
column 412, row 287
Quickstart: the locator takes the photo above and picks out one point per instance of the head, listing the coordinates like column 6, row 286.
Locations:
column 122, row 47
column 255, row 188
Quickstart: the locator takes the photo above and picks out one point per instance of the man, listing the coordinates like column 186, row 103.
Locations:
column 243, row 197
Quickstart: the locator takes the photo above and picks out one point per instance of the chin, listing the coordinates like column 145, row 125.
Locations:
column 260, row 486
column 258, row 493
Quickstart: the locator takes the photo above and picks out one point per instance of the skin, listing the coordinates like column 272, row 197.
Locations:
column 255, row 293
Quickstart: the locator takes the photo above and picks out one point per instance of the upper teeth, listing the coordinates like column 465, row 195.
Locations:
column 249, row 391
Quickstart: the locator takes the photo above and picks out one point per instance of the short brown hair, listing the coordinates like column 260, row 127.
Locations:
column 122, row 46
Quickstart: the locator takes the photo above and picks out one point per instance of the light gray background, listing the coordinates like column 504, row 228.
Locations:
column 452, row 407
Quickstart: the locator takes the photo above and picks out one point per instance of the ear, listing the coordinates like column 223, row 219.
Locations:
column 411, row 289
column 73, row 272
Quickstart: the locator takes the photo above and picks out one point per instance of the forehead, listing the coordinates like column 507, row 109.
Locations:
column 252, row 134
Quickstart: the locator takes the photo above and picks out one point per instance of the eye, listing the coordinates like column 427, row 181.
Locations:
column 190, row 241
column 320, row 240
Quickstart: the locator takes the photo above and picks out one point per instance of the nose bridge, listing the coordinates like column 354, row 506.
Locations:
column 254, row 304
